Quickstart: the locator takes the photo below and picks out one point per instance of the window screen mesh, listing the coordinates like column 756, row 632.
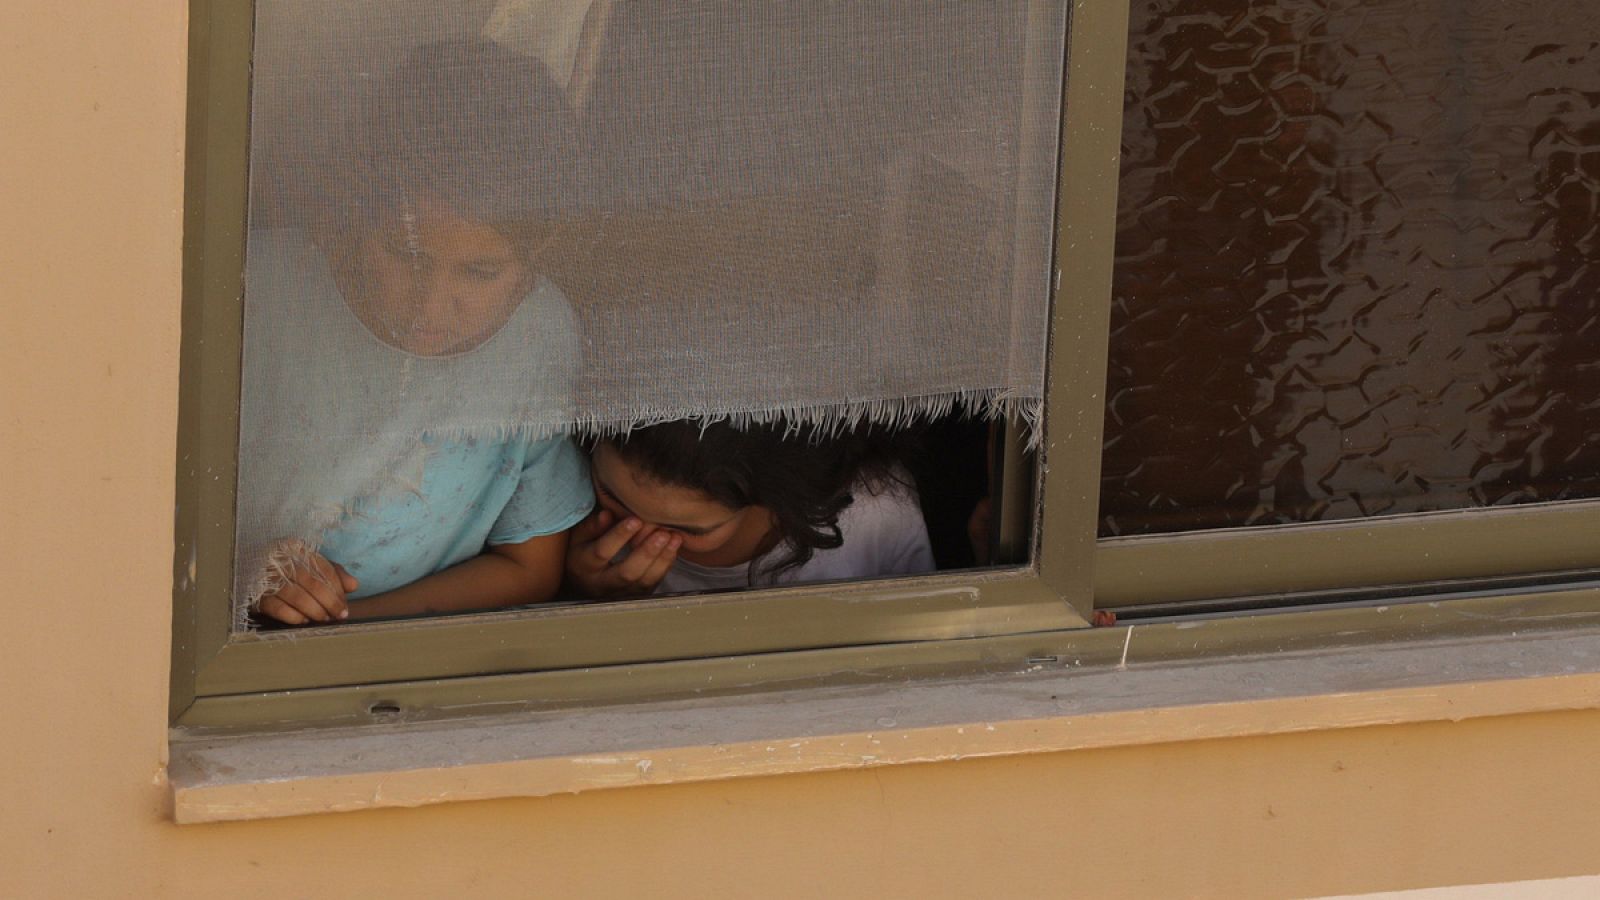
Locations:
column 1355, row 264
column 539, row 217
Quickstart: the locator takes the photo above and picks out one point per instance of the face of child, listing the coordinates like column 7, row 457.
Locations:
column 712, row 533
column 436, row 284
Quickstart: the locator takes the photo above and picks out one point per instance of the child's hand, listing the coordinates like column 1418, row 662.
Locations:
column 596, row 541
column 313, row 591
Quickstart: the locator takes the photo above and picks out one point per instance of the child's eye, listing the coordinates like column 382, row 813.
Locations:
column 484, row 273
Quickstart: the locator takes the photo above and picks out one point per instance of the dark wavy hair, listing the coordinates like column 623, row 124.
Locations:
column 805, row 478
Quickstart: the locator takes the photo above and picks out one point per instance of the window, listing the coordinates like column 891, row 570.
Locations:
column 1385, row 241
column 731, row 183
column 1149, row 522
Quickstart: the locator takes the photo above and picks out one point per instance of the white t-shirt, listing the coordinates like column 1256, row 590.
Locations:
column 883, row 535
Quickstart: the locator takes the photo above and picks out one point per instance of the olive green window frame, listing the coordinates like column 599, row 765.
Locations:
column 221, row 678
column 1401, row 553
column 1482, row 571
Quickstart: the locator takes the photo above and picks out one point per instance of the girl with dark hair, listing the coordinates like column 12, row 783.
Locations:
column 690, row 506
column 407, row 367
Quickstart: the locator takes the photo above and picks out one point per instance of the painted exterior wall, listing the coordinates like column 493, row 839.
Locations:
column 91, row 128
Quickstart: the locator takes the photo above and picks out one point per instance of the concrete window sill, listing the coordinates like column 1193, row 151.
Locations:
column 1050, row 708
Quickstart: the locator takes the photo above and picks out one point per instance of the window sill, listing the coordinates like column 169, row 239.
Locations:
column 1051, row 707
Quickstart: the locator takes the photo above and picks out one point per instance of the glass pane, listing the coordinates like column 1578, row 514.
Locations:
column 1355, row 261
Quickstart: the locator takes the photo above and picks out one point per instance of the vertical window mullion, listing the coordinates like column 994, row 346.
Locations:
column 1086, row 208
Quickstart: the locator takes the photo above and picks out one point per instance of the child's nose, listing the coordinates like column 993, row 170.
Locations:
column 432, row 297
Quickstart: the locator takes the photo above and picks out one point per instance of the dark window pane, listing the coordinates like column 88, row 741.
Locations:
column 1355, row 261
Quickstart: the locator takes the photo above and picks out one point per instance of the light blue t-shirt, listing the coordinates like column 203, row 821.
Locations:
column 394, row 465
column 473, row 493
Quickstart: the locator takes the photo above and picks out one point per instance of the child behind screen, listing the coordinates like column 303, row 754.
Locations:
column 405, row 368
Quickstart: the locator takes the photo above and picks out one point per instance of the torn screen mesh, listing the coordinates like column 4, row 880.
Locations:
column 553, row 217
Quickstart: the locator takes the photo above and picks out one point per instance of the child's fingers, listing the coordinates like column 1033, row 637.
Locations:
column 273, row 607
column 608, row 545
column 663, row 562
column 348, row 581
column 639, row 561
column 327, row 588
column 330, row 601
column 296, row 597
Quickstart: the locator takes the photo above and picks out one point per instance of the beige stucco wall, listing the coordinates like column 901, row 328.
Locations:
column 91, row 112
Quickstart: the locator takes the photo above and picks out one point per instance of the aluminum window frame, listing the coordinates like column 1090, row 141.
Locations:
column 1462, row 569
column 1396, row 551
column 335, row 672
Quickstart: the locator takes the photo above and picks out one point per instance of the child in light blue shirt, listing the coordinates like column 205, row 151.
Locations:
column 407, row 372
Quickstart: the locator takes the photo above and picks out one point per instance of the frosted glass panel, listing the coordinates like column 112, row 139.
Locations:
column 1355, row 268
